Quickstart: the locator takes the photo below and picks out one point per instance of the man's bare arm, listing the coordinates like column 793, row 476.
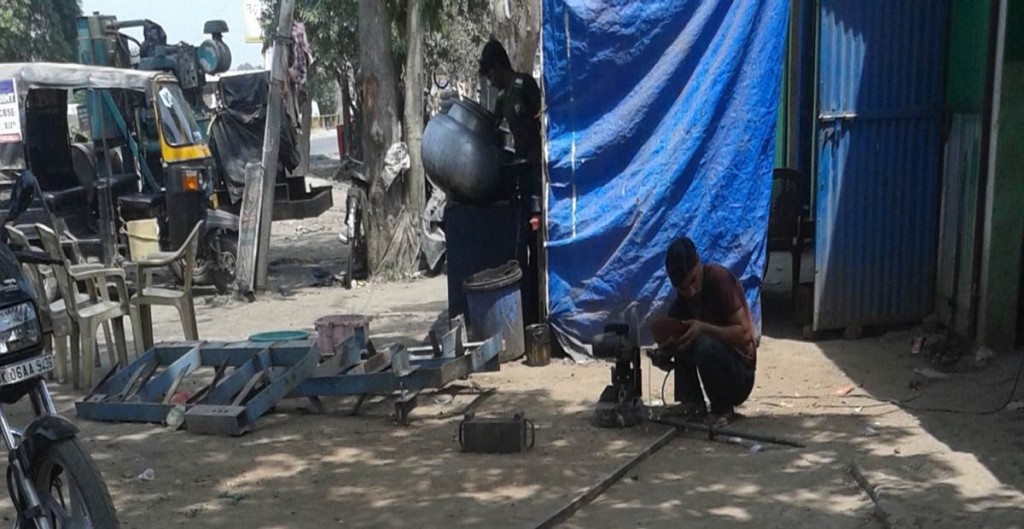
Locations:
column 738, row 333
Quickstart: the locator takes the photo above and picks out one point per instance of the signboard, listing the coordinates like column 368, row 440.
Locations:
column 10, row 115
column 253, row 29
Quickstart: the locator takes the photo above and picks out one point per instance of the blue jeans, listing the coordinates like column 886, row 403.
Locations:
column 726, row 377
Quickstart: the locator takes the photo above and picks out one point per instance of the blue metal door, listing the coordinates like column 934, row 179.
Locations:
column 880, row 95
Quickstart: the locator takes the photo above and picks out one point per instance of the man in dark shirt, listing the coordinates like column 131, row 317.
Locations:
column 719, row 339
column 519, row 100
column 518, row 105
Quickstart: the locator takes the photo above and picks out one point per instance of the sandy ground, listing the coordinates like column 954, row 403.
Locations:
column 298, row 469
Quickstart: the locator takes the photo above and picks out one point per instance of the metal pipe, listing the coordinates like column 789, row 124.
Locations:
column 430, row 348
column 129, row 23
column 714, row 432
column 598, row 488
column 986, row 172
column 44, row 395
column 5, row 430
column 31, row 499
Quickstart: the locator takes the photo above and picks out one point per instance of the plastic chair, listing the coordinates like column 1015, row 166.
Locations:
column 146, row 295
column 53, row 317
column 88, row 311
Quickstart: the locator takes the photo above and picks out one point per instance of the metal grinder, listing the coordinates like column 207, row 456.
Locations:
column 620, row 404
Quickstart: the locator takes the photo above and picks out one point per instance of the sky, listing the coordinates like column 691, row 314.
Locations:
column 183, row 21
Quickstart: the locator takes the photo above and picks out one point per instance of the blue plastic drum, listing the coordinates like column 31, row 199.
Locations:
column 495, row 306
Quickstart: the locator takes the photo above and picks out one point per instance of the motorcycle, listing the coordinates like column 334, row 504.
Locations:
column 52, row 481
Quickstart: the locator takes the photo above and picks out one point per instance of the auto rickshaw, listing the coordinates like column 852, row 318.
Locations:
column 146, row 158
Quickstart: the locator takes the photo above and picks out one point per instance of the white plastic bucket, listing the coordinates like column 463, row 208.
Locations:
column 143, row 238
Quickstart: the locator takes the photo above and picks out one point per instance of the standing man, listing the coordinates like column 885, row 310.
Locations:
column 718, row 340
column 519, row 104
column 519, row 101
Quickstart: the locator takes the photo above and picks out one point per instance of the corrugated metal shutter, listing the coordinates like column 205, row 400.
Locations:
column 880, row 95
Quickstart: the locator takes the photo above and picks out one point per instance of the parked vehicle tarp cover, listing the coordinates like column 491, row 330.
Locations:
column 75, row 76
column 60, row 76
column 236, row 134
column 660, row 123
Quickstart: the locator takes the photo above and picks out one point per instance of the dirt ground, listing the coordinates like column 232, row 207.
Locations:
column 299, row 469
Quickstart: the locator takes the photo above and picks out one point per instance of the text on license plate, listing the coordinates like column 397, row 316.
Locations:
column 26, row 370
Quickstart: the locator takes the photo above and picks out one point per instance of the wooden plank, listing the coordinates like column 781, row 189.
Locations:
column 248, row 229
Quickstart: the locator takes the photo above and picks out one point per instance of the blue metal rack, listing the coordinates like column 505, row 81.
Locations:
column 250, row 378
column 262, row 375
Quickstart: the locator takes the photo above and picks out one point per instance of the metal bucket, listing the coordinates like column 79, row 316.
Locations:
column 538, row 345
column 332, row 331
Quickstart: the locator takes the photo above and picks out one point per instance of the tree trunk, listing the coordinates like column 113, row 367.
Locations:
column 517, row 26
column 415, row 190
column 388, row 222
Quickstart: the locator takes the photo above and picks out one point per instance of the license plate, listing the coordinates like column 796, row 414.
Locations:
column 32, row 367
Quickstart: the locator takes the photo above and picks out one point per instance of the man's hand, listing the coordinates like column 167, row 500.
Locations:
column 662, row 359
column 696, row 328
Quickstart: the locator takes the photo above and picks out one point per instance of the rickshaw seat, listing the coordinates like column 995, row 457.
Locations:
column 66, row 199
column 140, row 205
column 124, row 184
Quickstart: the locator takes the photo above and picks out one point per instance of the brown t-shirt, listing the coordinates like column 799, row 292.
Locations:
column 720, row 297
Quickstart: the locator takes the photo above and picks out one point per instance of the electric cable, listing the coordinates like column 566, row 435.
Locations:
column 903, row 403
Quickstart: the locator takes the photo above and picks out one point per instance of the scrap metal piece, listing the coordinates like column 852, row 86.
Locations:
column 713, row 431
column 358, row 405
column 218, row 375
column 174, row 386
column 404, row 406
column 401, row 365
column 317, row 405
column 435, row 344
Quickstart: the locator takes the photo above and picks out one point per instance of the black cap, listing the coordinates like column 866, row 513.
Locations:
column 681, row 257
column 493, row 56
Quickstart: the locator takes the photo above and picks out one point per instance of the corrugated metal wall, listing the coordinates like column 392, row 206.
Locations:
column 880, row 94
column 965, row 98
column 959, row 204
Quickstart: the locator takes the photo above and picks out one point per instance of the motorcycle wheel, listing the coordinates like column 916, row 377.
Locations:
column 206, row 270
column 200, row 276
column 71, row 489
column 224, row 275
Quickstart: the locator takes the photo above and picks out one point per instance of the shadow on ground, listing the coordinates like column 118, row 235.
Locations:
column 302, row 470
column 968, row 431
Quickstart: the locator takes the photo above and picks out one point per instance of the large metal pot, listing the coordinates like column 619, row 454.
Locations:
column 463, row 153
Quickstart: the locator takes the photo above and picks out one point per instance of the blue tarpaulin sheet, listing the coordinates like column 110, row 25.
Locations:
column 660, row 123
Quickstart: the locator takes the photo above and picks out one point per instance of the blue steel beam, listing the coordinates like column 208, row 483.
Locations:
column 158, row 386
column 430, row 373
column 211, row 417
column 123, row 411
column 233, row 383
